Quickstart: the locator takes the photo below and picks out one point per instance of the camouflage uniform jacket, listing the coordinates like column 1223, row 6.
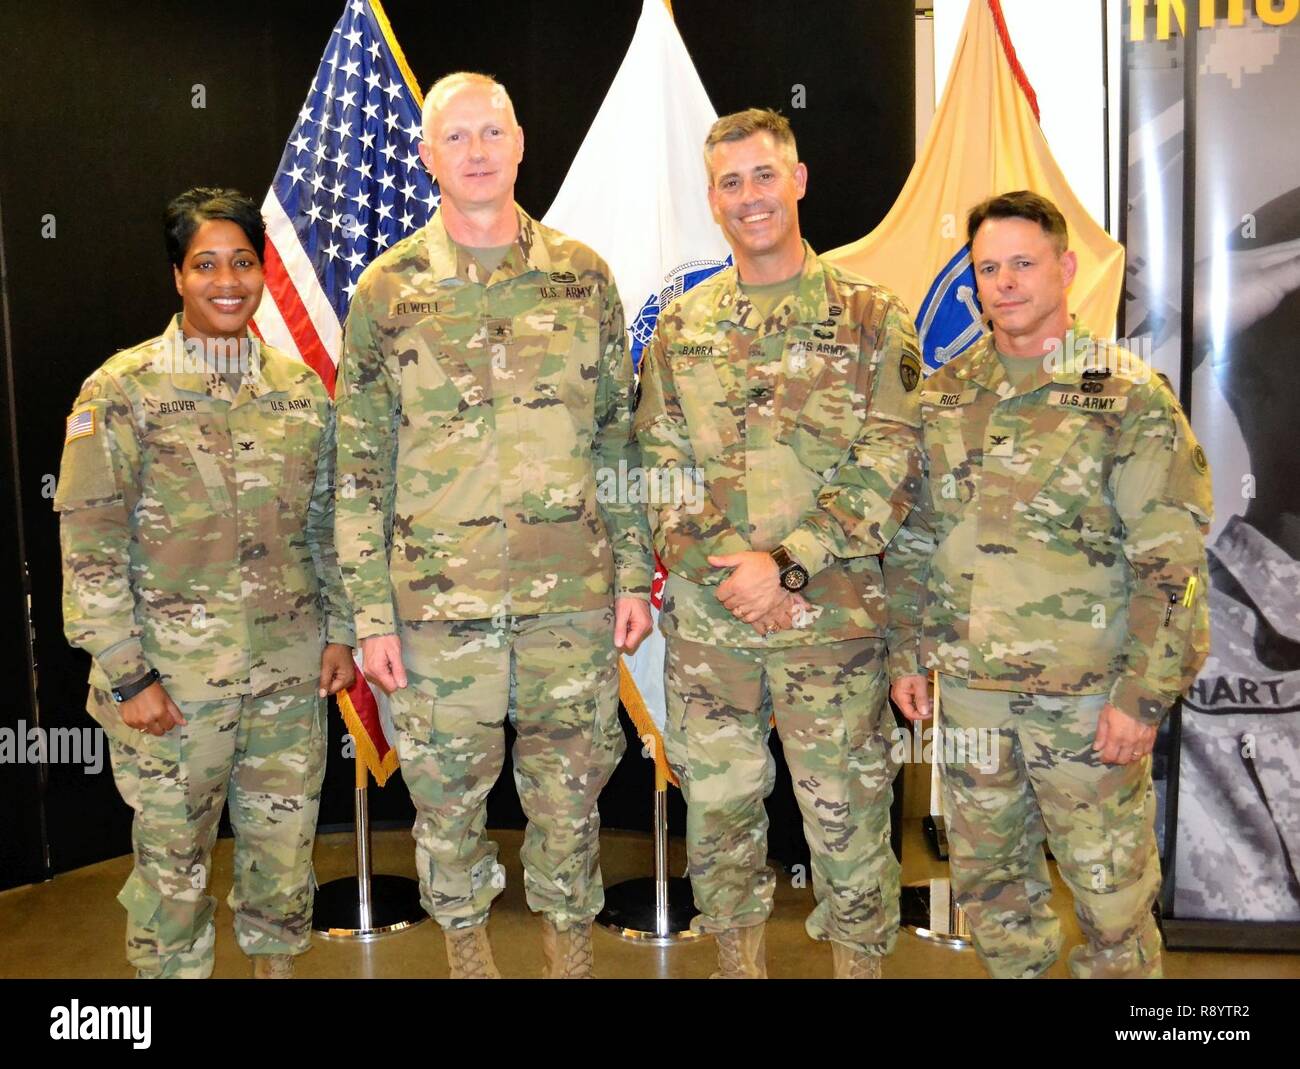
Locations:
column 804, row 431
column 474, row 417
column 1056, row 533
column 197, row 528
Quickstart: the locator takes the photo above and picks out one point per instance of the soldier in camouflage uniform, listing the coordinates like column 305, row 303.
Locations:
column 196, row 500
column 485, row 383
column 787, row 387
column 1054, row 574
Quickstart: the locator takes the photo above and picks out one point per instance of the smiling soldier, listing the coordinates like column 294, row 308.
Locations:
column 484, row 384
column 791, row 387
column 196, row 505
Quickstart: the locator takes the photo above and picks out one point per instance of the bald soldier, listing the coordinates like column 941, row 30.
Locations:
column 1054, row 575
column 787, row 388
column 484, row 384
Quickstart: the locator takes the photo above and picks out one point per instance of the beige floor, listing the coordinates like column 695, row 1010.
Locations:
column 72, row 926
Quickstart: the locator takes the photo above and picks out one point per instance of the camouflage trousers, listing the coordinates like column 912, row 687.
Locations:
column 266, row 757
column 1098, row 819
column 556, row 677
column 831, row 713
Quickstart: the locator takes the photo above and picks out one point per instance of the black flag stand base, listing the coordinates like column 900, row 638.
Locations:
column 653, row 910
column 365, row 907
column 633, row 910
column 928, row 909
column 930, row 912
column 936, row 834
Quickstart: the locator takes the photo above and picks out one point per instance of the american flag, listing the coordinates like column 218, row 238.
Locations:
column 81, row 424
column 349, row 185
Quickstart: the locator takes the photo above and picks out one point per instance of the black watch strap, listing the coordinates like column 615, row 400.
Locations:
column 794, row 576
column 127, row 691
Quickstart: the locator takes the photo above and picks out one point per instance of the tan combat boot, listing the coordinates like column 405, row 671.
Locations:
column 852, row 964
column 568, row 953
column 470, row 954
column 273, row 967
column 742, row 953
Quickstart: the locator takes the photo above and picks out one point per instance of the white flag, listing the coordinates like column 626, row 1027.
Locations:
column 637, row 194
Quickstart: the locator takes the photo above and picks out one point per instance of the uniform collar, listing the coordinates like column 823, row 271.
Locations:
column 262, row 377
column 1079, row 352
column 810, row 302
column 985, row 366
column 448, row 260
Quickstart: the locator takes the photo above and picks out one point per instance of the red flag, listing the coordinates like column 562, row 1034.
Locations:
column 360, row 709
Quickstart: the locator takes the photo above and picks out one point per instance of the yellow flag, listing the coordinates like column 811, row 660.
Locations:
column 984, row 140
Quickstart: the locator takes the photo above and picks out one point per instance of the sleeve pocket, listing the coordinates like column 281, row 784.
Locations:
column 86, row 476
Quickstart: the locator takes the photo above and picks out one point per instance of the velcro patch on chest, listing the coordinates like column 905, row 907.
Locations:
column 498, row 331
column 414, row 308
column 288, row 404
column 1000, row 445
column 570, row 291
column 179, row 407
column 1086, row 402
column 947, row 400
column 804, row 347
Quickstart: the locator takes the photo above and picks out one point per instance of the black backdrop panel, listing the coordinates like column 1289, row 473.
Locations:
column 98, row 130
column 22, row 853
column 855, row 63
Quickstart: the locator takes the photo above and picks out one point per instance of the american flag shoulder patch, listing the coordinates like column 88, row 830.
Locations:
column 81, row 424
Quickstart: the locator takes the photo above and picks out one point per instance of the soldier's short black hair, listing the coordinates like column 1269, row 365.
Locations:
column 1022, row 204
column 186, row 213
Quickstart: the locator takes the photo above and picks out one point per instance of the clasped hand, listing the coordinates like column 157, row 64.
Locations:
column 753, row 593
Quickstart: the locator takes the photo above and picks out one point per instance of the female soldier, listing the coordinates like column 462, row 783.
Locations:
column 196, row 502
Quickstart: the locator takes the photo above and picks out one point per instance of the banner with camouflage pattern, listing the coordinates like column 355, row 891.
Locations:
column 1235, row 252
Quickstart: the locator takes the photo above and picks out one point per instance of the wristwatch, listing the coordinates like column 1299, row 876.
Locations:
column 794, row 576
column 128, row 691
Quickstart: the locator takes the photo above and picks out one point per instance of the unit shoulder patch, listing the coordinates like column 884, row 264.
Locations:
column 909, row 370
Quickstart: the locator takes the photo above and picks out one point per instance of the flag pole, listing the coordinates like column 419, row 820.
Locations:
column 662, row 922
column 929, row 908
column 364, row 907
column 361, row 819
column 656, row 909
column 652, row 909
